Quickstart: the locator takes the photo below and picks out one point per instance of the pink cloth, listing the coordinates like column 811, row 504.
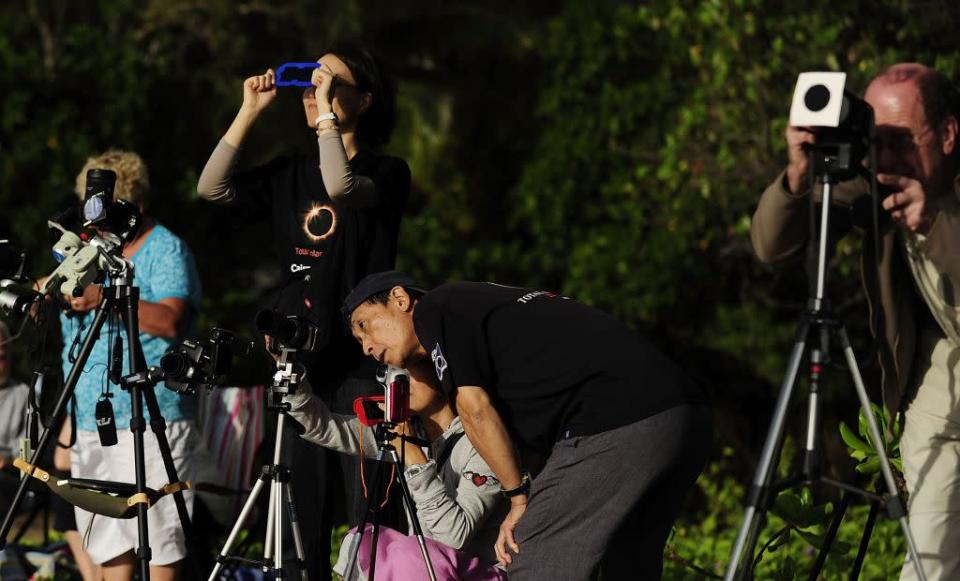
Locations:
column 399, row 559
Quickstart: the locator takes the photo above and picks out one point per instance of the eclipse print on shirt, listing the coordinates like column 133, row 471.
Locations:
column 319, row 223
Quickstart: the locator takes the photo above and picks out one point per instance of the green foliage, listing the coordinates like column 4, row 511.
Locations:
column 612, row 151
column 702, row 540
column 861, row 447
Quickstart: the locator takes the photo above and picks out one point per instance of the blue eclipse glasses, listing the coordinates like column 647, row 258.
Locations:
column 295, row 74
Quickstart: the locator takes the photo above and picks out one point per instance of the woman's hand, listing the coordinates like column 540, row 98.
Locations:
column 258, row 92
column 323, row 80
column 89, row 300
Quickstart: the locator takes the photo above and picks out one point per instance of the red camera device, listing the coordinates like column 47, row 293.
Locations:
column 393, row 407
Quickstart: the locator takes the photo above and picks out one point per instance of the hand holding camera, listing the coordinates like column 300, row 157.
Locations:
column 798, row 167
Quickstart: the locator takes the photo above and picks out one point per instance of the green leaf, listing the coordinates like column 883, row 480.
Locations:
column 854, row 442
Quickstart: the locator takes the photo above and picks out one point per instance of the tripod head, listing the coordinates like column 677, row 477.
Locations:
column 86, row 260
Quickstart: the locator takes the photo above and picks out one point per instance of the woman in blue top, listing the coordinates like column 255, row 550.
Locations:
column 166, row 275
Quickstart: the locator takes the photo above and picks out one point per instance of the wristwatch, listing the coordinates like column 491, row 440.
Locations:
column 524, row 487
column 331, row 116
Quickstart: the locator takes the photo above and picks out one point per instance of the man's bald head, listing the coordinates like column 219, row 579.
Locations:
column 938, row 94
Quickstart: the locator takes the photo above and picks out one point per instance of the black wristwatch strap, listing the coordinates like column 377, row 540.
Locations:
column 524, row 487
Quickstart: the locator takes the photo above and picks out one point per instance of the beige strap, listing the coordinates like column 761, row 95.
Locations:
column 139, row 498
column 174, row 487
column 31, row 470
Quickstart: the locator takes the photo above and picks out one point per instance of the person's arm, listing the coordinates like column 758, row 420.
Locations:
column 780, row 226
column 489, row 436
column 214, row 184
column 325, row 428
column 454, row 520
column 341, row 183
column 163, row 318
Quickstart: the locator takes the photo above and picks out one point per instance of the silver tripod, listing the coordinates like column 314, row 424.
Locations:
column 281, row 497
column 818, row 324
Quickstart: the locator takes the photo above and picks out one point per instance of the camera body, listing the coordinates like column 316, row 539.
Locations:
column 195, row 362
column 395, row 400
column 13, row 265
column 183, row 366
column 844, row 123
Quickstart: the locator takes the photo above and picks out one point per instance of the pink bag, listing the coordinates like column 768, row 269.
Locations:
column 399, row 559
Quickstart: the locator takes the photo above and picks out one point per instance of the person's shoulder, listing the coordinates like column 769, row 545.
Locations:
column 16, row 390
column 163, row 240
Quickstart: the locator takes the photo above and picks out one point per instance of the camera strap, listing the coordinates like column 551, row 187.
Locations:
column 448, row 449
column 106, row 421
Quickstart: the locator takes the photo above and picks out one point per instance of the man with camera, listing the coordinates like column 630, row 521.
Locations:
column 623, row 431
column 913, row 292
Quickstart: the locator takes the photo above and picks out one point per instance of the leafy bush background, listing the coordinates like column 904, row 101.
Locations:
column 613, row 151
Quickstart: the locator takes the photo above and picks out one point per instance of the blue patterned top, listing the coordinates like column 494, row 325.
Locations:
column 163, row 268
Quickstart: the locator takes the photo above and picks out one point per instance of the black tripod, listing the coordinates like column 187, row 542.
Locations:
column 386, row 453
column 122, row 297
column 817, row 326
column 278, row 475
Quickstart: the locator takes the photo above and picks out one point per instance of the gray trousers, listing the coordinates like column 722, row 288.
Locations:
column 608, row 501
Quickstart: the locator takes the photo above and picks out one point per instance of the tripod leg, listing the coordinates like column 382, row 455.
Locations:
column 268, row 542
column 129, row 313
column 278, row 524
column 244, row 515
column 295, row 530
column 895, row 503
column 865, row 540
column 753, row 514
column 59, row 411
column 415, row 523
column 371, row 505
column 159, row 428
column 828, row 539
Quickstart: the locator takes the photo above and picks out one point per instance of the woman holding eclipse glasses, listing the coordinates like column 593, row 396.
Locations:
column 335, row 214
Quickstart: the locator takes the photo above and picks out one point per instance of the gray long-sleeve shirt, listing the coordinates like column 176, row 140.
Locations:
column 13, row 402
column 458, row 504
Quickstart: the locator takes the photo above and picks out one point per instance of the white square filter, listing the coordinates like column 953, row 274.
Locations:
column 818, row 100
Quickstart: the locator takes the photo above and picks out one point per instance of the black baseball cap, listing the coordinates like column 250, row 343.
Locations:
column 375, row 283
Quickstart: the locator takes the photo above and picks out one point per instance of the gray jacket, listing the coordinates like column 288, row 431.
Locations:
column 458, row 504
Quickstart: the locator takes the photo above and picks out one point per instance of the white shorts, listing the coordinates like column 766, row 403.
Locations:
column 109, row 538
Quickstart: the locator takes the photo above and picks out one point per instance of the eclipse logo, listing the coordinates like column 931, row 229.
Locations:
column 319, row 223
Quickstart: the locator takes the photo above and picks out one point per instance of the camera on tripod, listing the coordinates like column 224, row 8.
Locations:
column 213, row 362
column 288, row 331
column 395, row 400
column 844, row 123
column 13, row 265
column 101, row 211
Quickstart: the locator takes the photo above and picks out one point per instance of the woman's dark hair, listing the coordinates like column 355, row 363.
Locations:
column 376, row 123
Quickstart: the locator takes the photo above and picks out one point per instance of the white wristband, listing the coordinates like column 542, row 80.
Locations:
column 331, row 116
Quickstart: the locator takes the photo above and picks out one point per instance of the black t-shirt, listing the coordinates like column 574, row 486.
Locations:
column 326, row 247
column 549, row 363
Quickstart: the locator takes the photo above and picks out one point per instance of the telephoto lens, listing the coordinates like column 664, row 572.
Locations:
column 98, row 195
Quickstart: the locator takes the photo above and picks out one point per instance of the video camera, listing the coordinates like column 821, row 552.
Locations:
column 395, row 399
column 214, row 362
